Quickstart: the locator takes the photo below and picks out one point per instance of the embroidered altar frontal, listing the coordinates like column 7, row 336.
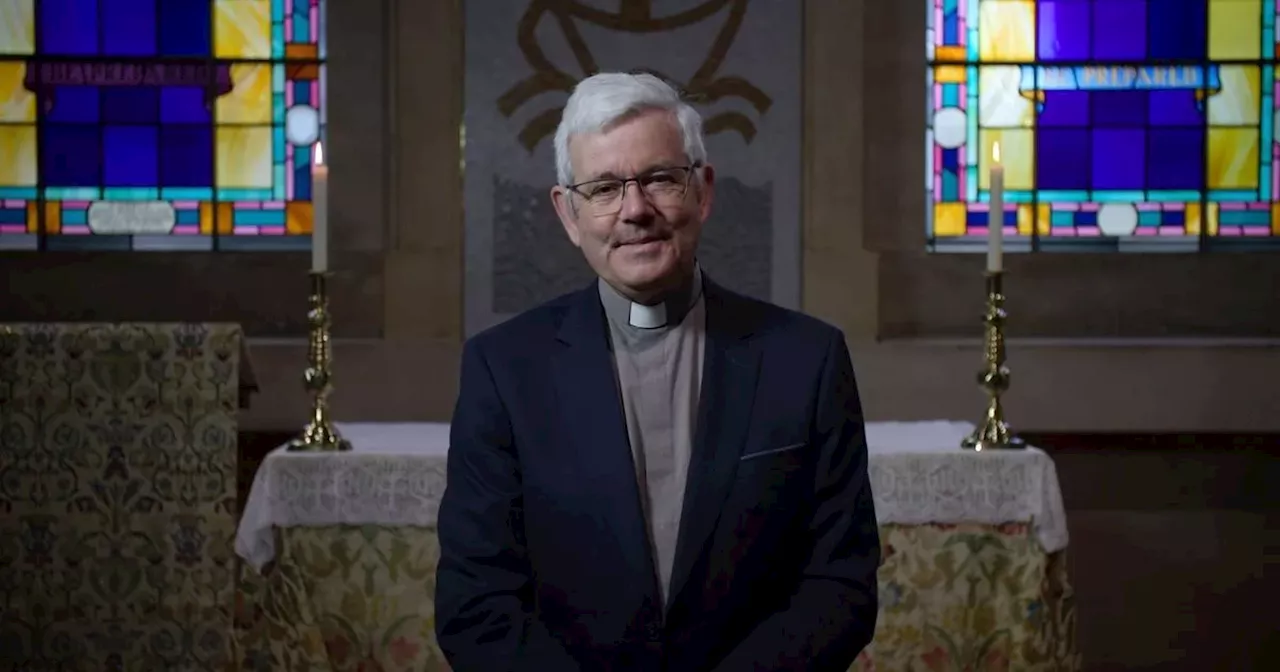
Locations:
column 339, row 553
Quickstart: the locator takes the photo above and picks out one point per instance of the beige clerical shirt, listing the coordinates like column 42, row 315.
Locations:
column 658, row 353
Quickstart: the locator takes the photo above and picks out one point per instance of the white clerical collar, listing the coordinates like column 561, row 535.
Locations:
column 648, row 317
column 671, row 310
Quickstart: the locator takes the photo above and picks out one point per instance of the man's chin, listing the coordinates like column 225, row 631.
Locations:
column 647, row 275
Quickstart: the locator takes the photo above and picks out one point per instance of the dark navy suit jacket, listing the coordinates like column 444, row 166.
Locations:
column 544, row 559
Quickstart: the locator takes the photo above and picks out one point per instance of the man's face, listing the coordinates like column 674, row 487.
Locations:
column 640, row 236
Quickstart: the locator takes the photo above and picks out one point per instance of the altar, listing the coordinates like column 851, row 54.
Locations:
column 339, row 553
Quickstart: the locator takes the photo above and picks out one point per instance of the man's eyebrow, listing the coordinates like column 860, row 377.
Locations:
column 610, row 175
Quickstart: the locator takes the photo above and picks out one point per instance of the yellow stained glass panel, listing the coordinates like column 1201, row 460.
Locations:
column 1233, row 158
column 1017, row 153
column 17, row 155
column 1044, row 215
column 1007, row 30
column 244, row 157
column 949, row 219
column 16, row 103
column 1235, row 29
column 17, row 27
column 52, row 217
column 242, row 28
column 298, row 217
column 250, row 99
column 950, row 74
column 1025, row 219
column 206, row 218
column 1193, row 217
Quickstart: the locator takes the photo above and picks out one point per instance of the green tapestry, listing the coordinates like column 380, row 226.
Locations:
column 117, row 495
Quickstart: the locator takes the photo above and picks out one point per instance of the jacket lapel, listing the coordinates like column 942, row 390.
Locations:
column 587, row 389
column 729, row 375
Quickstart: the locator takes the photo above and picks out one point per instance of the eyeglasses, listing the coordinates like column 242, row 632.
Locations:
column 663, row 186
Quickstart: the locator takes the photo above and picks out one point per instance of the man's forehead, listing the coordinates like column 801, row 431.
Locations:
column 620, row 162
column 635, row 144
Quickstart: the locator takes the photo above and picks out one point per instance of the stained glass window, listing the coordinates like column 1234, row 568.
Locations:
column 1132, row 125
column 159, row 124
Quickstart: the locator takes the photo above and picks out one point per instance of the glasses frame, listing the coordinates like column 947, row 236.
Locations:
column 691, row 169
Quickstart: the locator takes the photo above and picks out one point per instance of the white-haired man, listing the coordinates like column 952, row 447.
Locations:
column 653, row 473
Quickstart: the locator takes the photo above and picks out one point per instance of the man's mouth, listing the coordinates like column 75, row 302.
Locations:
column 641, row 241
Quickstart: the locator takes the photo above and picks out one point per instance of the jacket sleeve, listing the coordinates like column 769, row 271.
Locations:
column 484, row 580
column 831, row 615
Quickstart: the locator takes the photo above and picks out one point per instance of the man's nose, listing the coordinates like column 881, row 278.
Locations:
column 635, row 204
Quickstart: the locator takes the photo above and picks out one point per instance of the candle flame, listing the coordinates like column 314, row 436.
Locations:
column 319, row 154
column 995, row 151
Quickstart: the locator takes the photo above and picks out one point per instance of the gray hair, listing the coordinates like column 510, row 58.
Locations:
column 605, row 99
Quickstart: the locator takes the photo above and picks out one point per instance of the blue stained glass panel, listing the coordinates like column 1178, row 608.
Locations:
column 1064, row 30
column 1175, row 108
column 1119, row 108
column 72, row 105
column 184, row 105
column 130, row 104
column 1065, row 108
column 72, row 155
column 1178, row 30
column 1174, row 157
column 1118, row 30
column 186, row 155
column 1118, row 159
column 129, row 27
column 186, row 28
column 1070, row 147
column 67, row 27
column 131, row 156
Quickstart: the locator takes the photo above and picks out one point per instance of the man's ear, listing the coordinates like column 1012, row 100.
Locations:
column 561, row 199
column 706, row 190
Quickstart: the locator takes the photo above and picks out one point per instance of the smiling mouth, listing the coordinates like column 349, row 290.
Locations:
column 641, row 241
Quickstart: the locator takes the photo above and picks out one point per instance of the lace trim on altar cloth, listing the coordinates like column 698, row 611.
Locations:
column 918, row 475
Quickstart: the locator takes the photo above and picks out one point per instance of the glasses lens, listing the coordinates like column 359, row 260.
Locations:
column 660, row 187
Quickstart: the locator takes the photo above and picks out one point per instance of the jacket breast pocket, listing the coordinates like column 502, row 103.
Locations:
column 770, row 497
column 773, row 452
column 773, row 475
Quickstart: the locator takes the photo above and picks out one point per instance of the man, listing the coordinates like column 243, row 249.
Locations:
column 653, row 473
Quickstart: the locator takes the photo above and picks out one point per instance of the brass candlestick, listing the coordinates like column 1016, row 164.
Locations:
column 993, row 433
column 319, row 434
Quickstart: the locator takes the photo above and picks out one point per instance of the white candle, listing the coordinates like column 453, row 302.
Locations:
column 320, row 213
column 995, row 218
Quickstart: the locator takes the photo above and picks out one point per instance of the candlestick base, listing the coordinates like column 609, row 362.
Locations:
column 319, row 439
column 992, row 436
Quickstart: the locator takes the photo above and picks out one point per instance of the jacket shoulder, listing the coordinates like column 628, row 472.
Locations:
column 531, row 329
column 772, row 321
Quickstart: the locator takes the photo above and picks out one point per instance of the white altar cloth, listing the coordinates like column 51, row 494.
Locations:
column 395, row 475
